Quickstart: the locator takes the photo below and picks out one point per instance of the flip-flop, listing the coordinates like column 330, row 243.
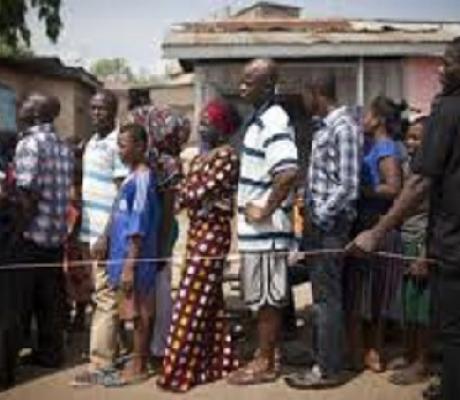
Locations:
column 116, row 380
column 91, row 378
column 249, row 376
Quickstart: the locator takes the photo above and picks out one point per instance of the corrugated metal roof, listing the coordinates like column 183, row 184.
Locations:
column 301, row 37
column 261, row 4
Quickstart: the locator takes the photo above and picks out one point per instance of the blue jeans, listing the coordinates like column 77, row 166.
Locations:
column 326, row 280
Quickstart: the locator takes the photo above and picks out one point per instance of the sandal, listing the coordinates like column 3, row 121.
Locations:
column 117, row 380
column 255, row 373
column 91, row 378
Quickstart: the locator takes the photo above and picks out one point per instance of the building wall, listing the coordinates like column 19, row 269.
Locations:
column 178, row 97
column 421, row 81
column 383, row 77
column 72, row 95
column 82, row 120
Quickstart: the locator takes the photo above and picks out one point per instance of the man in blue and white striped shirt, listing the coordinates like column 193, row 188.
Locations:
column 267, row 175
column 102, row 168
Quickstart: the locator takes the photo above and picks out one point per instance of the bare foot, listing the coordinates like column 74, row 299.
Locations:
column 373, row 361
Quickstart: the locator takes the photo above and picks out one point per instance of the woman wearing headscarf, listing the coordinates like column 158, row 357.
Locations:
column 168, row 132
column 199, row 344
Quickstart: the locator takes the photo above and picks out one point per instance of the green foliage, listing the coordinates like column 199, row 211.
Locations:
column 13, row 24
column 111, row 66
column 18, row 51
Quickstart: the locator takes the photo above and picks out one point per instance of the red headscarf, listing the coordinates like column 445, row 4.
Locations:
column 221, row 116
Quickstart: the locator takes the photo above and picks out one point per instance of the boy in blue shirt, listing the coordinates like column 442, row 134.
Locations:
column 133, row 247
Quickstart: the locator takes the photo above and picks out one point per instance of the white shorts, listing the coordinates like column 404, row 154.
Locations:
column 264, row 279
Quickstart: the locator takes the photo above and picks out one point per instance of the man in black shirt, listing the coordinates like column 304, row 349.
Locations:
column 437, row 175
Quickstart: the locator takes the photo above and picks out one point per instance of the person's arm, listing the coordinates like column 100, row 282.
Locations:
column 166, row 225
column 281, row 162
column 283, row 182
column 415, row 189
column 349, row 148
column 391, row 180
column 133, row 254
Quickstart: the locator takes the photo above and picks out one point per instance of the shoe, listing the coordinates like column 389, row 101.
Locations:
column 314, row 379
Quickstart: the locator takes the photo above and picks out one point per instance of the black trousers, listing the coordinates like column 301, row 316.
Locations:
column 448, row 293
column 9, row 323
column 43, row 299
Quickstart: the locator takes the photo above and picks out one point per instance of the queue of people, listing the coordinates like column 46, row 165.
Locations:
column 106, row 211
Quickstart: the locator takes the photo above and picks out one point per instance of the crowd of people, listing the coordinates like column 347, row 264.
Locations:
column 92, row 226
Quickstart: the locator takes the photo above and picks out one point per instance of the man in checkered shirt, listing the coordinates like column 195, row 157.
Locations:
column 44, row 171
column 331, row 195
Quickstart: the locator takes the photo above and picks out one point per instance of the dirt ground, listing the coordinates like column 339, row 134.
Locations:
column 36, row 384
column 56, row 386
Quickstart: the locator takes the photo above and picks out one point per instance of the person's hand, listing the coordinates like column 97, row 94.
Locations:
column 127, row 280
column 365, row 243
column 254, row 214
column 99, row 250
column 419, row 268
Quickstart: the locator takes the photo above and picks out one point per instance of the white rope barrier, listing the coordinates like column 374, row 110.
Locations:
column 232, row 257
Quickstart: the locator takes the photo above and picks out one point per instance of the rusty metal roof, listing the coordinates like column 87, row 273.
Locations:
column 307, row 38
column 261, row 4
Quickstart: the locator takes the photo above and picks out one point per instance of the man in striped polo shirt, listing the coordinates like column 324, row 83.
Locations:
column 267, row 176
column 102, row 168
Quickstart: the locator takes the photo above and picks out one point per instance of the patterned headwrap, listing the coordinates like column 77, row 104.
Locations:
column 168, row 130
column 221, row 116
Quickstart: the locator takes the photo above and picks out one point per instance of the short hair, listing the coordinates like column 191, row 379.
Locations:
column 326, row 85
column 137, row 132
column 267, row 68
column 110, row 97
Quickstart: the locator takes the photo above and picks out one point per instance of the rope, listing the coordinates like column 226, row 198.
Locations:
column 230, row 258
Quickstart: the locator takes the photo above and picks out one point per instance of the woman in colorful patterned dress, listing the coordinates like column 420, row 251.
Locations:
column 199, row 345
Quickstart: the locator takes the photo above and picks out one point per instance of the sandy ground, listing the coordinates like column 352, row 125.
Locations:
column 55, row 386
column 35, row 384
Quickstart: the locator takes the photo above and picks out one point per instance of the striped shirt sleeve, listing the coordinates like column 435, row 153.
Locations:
column 280, row 149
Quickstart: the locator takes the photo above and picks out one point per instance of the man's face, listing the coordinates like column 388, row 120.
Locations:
column 102, row 114
column 450, row 69
column 253, row 88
